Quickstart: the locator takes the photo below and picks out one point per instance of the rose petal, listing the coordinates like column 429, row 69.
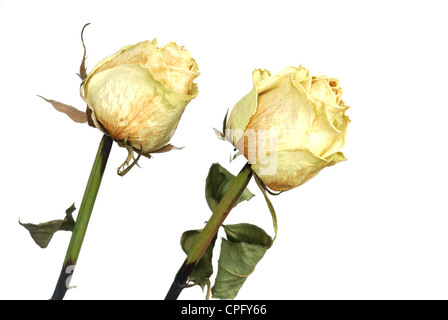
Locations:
column 288, row 168
column 325, row 138
column 172, row 65
column 285, row 111
column 130, row 104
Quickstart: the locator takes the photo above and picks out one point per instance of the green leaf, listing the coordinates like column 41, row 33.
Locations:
column 43, row 233
column 245, row 232
column 204, row 269
column 244, row 247
column 217, row 183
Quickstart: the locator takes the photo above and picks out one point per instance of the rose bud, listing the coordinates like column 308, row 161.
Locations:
column 290, row 126
column 138, row 94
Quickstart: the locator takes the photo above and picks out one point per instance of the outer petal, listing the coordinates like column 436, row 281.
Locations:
column 288, row 169
column 298, row 75
column 335, row 158
column 285, row 112
column 172, row 65
column 262, row 81
column 130, row 54
column 176, row 68
column 321, row 90
column 329, row 129
column 132, row 105
column 244, row 109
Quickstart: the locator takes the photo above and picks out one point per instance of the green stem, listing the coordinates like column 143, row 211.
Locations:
column 83, row 218
column 208, row 233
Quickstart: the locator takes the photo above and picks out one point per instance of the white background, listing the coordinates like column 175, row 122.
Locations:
column 374, row 227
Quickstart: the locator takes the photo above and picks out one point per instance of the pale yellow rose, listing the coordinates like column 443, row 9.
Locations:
column 290, row 126
column 138, row 94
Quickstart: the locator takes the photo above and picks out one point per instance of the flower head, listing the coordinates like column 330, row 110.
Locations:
column 138, row 94
column 290, row 126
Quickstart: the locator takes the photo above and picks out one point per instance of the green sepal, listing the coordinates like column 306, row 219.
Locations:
column 42, row 233
column 217, row 183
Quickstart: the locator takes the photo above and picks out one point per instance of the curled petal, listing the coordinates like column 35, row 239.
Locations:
column 172, row 65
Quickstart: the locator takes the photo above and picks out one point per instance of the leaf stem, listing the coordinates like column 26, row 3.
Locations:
column 220, row 213
column 264, row 189
column 83, row 218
